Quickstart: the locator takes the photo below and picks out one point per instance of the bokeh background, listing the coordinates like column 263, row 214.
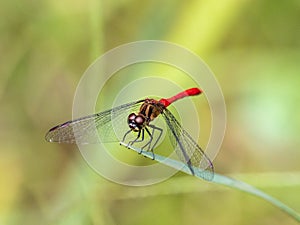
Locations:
column 253, row 47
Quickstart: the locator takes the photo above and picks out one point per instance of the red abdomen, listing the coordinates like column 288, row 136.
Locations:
column 188, row 92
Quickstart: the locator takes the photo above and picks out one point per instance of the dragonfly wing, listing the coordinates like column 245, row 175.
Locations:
column 106, row 126
column 187, row 148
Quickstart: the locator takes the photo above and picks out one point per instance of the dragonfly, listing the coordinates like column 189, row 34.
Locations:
column 138, row 115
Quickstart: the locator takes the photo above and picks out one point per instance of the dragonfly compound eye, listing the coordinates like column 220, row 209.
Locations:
column 132, row 123
column 131, row 117
column 139, row 120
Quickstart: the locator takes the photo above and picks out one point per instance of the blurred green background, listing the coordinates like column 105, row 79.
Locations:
column 253, row 47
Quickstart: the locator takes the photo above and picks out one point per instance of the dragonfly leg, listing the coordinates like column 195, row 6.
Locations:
column 151, row 139
column 137, row 139
column 149, row 142
column 160, row 130
column 124, row 137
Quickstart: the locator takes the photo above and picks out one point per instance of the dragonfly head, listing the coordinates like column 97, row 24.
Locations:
column 136, row 122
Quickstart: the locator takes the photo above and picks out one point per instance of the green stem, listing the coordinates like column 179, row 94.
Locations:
column 221, row 179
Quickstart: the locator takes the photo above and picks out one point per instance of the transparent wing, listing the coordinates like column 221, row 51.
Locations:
column 187, row 149
column 109, row 126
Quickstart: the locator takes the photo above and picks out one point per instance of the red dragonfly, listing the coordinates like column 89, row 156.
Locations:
column 89, row 129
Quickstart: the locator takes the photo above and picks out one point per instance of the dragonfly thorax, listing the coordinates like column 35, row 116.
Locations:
column 151, row 109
